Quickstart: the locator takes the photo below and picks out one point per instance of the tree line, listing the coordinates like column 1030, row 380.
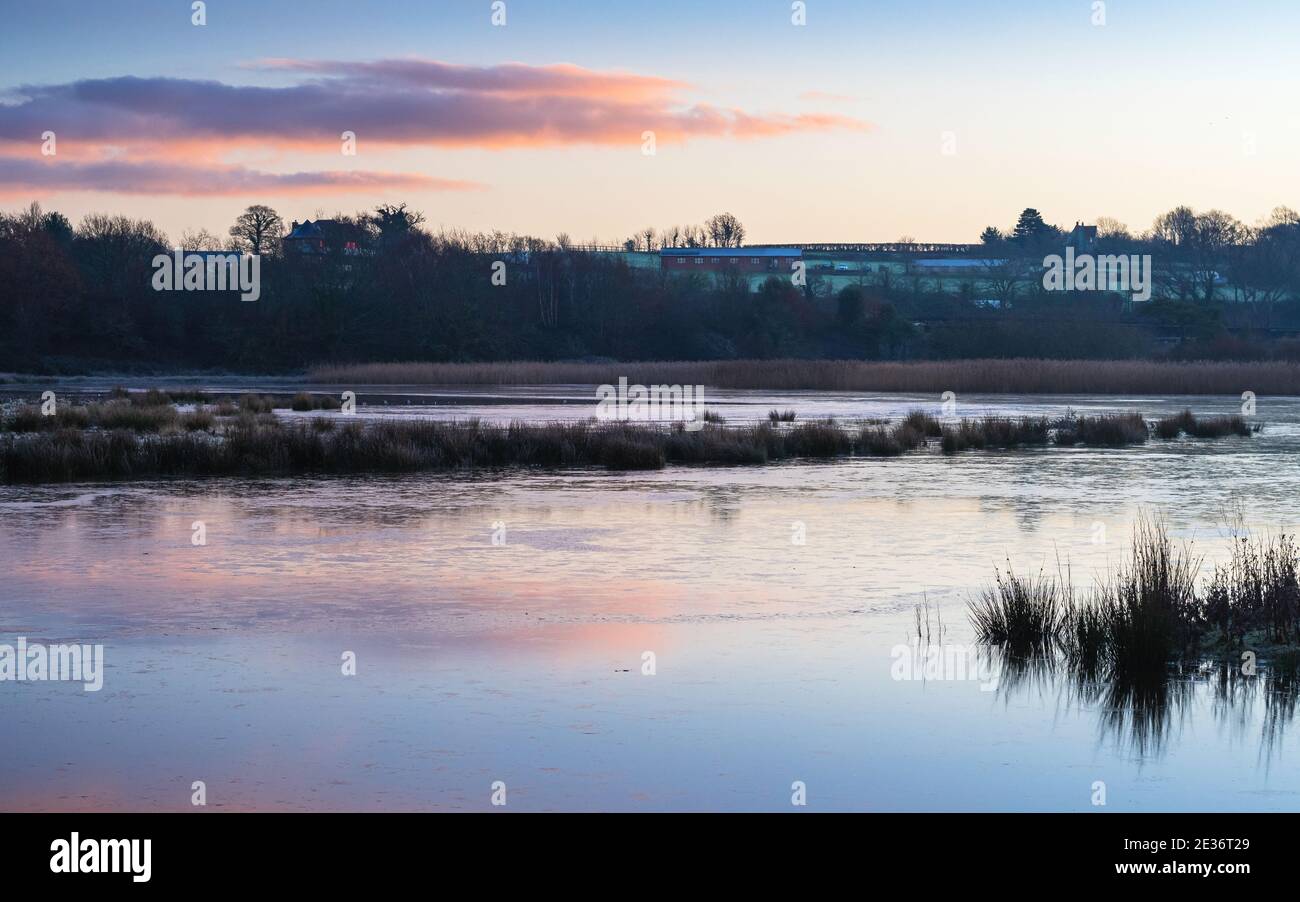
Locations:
column 1197, row 257
column 79, row 298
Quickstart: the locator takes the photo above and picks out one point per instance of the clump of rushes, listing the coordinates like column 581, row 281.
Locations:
column 253, row 403
column 995, row 432
column 887, row 441
column 711, row 417
column 198, row 420
column 880, row 441
column 1171, row 427
column 821, row 438
column 1258, row 589
column 1111, row 430
column 302, row 401
column 1008, row 432
column 1149, row 607
column 1149, row 613
column 754, row 445
column 781, row 416
column 923, row 423
column 1083, row 637
column 1220, row 426
column 964, row 436
column 1022, row 614
column 306, row 401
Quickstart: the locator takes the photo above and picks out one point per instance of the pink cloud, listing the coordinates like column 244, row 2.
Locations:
column 561, row 79
column 18, row 175
column 109, row 125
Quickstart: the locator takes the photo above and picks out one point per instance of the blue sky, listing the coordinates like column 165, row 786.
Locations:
column 961, row 113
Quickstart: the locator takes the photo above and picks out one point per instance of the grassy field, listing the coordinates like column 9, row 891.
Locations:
column 973, row 376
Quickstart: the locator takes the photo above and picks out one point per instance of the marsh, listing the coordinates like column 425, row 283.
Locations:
column 520, row 660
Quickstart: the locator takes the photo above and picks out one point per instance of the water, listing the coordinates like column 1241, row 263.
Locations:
column 522, row 662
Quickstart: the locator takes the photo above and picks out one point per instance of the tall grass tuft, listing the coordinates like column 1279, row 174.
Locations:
column 307, row 401
column 1257, row 589
column 1171, row 427
column 1111, row 430
column 1149, row 606
column 1021, row 614
column 923, row 423
column 994, row 432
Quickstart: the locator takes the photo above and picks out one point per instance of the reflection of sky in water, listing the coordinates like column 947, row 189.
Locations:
column 480, row 663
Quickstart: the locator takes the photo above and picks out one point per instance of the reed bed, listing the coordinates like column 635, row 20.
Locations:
column 121, row 439
column 991, row 376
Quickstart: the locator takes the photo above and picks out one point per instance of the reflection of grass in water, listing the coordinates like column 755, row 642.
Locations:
column 1283, row 683
column 1140, row 712
column 1277, row 685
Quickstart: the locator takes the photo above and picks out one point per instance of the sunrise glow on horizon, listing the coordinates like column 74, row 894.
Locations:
column 863, row 124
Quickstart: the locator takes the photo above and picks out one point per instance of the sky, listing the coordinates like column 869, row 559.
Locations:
column 870, row 121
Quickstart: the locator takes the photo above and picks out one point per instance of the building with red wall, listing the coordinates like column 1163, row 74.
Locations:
column 748, row 261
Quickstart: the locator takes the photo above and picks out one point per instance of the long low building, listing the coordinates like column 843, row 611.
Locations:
column 741, row 260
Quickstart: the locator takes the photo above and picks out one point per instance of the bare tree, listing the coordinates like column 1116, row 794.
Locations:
column 1177, row 227
column 1110, row 228
column 725, row 230
column 202, row 240
column 1281, row 216
column 257, row 230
